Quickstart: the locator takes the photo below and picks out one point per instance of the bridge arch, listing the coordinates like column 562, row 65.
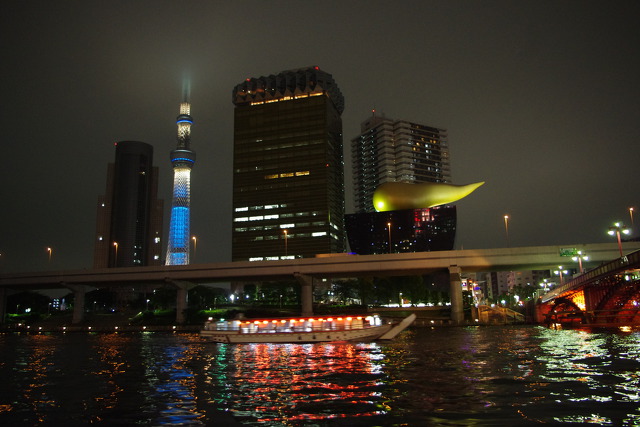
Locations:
column 564, row 310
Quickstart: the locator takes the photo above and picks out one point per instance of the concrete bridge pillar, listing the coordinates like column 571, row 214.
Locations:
column 182, row 298
column 306, row 294
column 455, row 289
column 79, row 292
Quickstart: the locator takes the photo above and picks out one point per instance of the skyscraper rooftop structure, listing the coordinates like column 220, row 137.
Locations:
column 182, row 159
column 129, row 215
column 390, row 150
column 288, row 170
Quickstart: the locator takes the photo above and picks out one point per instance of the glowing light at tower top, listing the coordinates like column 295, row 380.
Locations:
column 182, row 159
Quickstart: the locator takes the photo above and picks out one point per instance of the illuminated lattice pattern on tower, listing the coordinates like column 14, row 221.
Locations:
column 182, row 159
column 178, row 251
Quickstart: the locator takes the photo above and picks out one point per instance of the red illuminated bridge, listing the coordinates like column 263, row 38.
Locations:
column 605, row 296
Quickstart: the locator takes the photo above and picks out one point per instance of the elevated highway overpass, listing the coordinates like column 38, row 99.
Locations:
column 307, row 270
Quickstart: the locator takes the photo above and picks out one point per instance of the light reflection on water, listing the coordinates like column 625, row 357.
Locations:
column 481, row 376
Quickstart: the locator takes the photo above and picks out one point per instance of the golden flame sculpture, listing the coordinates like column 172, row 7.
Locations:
column 392, row 196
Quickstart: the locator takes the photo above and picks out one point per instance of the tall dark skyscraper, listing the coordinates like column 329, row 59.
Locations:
column 288, row 179
column 129, row 219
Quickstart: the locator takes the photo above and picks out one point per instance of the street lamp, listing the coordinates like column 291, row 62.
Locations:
column 545, row 285
column 506, row 229
column 389, row 228
column 195, row 245
column 631, row 216
column 50, row 251
column 579, row 257
column 559, row 272
column 115, row 245
column 615, row 230
column 286, row 248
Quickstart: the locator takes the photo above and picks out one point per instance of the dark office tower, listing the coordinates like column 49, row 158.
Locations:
column 396, row 150
column 129, row 220
column 288, row 180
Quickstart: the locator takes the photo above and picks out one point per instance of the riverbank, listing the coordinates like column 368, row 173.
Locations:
column 165, row 322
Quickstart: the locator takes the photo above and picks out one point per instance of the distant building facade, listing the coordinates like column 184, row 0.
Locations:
column 390, row 150
column 288, row 171
column 401, row 231
column 129, row 215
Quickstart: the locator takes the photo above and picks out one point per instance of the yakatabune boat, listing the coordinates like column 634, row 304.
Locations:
column 304, row 329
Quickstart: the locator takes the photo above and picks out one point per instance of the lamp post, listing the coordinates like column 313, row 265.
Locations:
column 195, row 245
column 389, row 229
column 615, row 230
column 579, row 257
column 545, row 285
column 115, row 262
column 506, row 229
column 50, row 251
column 286, row 247
column 559, row 272
column 631, row 216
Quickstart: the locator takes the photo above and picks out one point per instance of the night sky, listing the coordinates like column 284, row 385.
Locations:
column 541, row 100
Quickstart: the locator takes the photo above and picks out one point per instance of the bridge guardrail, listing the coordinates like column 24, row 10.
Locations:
column 605, row 269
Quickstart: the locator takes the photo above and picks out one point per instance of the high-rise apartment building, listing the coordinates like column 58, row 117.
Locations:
column 129, row 218
column 399, row 151
column 288, row 169
column 396, row 150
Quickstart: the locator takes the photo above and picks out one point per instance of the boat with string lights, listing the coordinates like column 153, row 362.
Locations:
column 304, row 329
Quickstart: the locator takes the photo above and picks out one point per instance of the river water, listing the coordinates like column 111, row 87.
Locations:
column 467, row 376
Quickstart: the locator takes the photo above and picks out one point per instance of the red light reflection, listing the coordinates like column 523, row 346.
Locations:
column 291, row 382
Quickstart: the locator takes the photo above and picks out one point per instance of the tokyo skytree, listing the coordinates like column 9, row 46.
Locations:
column 182, row 159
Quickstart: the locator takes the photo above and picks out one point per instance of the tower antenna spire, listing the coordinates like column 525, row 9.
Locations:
column 182, row 159
column 186, row 89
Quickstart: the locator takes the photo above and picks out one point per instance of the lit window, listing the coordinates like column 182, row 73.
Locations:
column 241, row 219
column 287, row 225
column 319, row 233
column 259, row 258
column 242, row 209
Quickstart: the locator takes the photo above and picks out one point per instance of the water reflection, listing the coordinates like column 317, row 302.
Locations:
column 272, row 384
column 173, row 381
column 482, row 376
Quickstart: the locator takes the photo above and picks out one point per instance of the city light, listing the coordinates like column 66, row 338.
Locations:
column 579, row 257
column 615, row 230
column 506, row 229
column 560, row 272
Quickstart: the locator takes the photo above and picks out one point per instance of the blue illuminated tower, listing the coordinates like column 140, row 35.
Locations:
column 182, row 159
